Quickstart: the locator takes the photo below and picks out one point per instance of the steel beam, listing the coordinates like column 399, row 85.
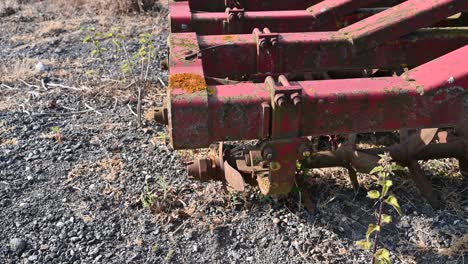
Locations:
column 432, row 95
column 328, row 15
column 319, row 52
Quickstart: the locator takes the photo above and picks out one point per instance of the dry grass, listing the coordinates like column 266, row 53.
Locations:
column 110, row 167
column 108, row 6
column 20, row 69
column 6, row 142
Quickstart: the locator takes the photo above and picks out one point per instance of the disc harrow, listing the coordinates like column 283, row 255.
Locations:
column 285, row 73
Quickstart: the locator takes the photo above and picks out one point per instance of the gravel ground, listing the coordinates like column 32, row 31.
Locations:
column 73, row 195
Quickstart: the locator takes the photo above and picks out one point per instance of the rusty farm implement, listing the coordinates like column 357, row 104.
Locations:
column 284, row 73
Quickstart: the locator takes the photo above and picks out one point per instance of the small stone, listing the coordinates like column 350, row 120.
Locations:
column 249, row 259
column 44, row 247
column 30, row 178
column 32, row 258
column 195, row 248
column 18, row 245
column 41, row 67
column 276, row 220
column 23, row 204
column 60, row 224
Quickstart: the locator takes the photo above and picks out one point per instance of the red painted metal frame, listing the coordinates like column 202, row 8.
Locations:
column 318, row 52
column 254, row 55
column 265, row 5
column 379, row 41
column 389, row 39
column 320, row 17
column 438, row 90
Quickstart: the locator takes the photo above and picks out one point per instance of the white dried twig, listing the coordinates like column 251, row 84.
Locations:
column 68, row 108
column 6, row 86
column 93, row 109
column 162, row 82
column 43, row 84
column 67, row 87
column 29, row 85
column 131, row 110
column 130, row 85
column 24, row 110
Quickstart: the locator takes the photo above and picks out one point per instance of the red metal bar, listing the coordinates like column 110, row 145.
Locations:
column 432, row 95
column 401, row 20
column 328, row 12
column 318, row 52
column 263, row 5
column 328, row 15
column 251, row 5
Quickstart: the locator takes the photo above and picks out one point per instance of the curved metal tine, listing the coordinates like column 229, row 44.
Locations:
column 419, row 140
column 233, row 178
column 423, row 184
column 414, row 144
column 350, row 144
column 307, row 194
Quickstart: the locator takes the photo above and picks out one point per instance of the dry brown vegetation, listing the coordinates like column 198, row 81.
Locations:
column 20, row 69
column 68, row 7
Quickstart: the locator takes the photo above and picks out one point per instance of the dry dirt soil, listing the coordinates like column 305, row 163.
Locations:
column 74, row 166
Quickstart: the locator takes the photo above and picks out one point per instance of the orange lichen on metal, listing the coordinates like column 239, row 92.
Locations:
column 228, row 37
column 188, row 82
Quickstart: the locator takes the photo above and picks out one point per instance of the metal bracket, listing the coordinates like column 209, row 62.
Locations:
column 281, row 156
column 234, row 22
column 268, row 60
column 286, row 104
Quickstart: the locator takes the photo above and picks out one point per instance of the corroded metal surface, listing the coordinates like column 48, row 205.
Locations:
column 284, row 72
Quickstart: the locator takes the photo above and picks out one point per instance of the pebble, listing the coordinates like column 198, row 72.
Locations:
column 18, row 245
column 41, row 67
column 44, row 247
column 276, row 220
column 60, row 224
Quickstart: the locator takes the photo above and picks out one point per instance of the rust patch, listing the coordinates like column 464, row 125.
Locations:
column 188, row 82
column 228, row 37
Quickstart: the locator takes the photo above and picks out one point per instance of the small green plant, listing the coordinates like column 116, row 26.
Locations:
column 147, row 197
column 384, row 171
column 163, row 184
column 57, row 134
column 134, row 65
column 169, row 256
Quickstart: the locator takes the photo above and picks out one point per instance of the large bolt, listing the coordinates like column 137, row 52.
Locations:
column 280, row 100
column 296, row 98
column 274, row 41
